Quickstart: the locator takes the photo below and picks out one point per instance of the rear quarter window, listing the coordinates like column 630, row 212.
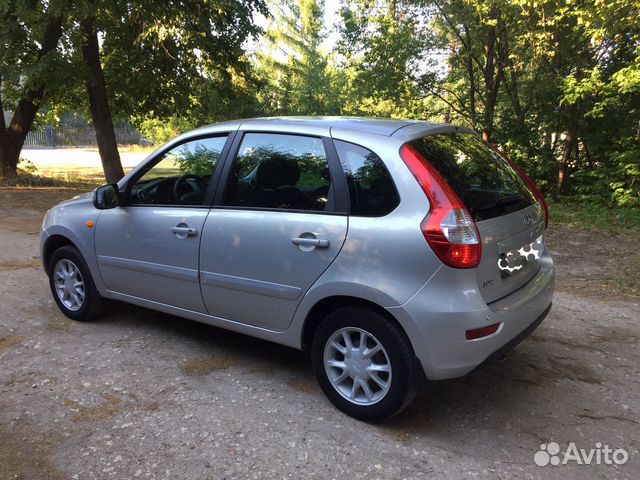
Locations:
column 484, row 181
column 372, row 192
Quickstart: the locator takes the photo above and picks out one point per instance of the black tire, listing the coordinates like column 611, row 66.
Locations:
column 93, row 304
column 402, row 389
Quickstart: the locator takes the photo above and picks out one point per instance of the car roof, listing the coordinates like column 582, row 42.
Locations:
column 378, row 126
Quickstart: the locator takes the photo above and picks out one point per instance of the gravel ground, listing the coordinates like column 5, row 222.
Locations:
column 139, row 394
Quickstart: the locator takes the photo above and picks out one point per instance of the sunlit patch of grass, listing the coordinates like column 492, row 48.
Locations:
column 70, row 176
column 595, row 217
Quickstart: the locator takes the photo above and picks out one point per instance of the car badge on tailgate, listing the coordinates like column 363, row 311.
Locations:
column 529, row 219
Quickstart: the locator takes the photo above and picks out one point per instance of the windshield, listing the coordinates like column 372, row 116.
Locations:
column 484, row 181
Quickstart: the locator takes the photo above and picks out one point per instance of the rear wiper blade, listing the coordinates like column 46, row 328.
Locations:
column 501, row 202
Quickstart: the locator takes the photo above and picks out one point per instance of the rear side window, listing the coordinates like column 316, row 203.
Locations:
column 484, row 181
column 372, row 192
column 280, row 171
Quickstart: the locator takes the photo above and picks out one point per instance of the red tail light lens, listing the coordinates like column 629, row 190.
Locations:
column 530, row 184
column 448, row 227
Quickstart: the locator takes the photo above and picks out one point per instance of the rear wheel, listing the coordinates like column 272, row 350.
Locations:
column 364, row 363
column 72, row 285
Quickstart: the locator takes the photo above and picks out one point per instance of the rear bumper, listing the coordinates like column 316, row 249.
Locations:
column 514, row 342
column 438, row 315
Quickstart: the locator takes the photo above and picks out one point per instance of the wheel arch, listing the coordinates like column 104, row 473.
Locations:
column 53, row 243
column 325, row 306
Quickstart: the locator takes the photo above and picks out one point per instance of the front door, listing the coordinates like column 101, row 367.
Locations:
column 148, row 249
column 275, row 231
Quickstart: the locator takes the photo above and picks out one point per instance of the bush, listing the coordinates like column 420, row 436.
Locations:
column 26, row 166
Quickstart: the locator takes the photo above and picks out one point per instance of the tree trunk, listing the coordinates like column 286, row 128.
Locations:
column 493, row 73
column 570, row 143
column 562, row 175
column 6, row 173
column 99, row 104
column 471, row 74
column 9, row 157
column 489, row 85
column 12, row 137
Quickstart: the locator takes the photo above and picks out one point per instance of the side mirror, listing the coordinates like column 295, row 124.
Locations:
column 106, row 197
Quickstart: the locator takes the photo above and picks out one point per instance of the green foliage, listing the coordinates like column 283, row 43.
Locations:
column 22, row 26
column 184, row 58
column 161, row 130
column 27, row 166
column 626, row 187
column 295, row 72
column 197, row 162
column 382, row 46
column 555, row 83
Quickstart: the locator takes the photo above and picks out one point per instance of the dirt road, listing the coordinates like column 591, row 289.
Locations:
column 138, row 394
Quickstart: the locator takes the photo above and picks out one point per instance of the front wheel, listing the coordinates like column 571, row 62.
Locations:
column 72, row 285
column 364, row 363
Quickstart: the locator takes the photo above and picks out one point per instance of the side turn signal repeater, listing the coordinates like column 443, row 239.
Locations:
column 89, row 223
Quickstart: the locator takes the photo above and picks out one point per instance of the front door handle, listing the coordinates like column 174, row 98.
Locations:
column 183, row 231
column 311, row 242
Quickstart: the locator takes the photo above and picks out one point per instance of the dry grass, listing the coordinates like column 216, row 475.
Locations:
column 25, row 455
column 199, row 367
column 11, row 341
column 303, row 385
column 110, row 407
column 69, row 176
column 19, row 264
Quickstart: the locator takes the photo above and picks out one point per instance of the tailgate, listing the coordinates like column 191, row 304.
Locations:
column 511, row 248
column 510, row 219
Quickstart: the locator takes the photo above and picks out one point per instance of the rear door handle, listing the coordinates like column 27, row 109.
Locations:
column 187, row 231
column 311, row 242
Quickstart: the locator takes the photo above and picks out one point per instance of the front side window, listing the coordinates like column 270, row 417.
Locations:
column 279, row 171
column 181, row 176
column 371, row 189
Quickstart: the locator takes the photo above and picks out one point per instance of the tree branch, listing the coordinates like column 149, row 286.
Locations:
column 452, row 26
column 25, row 112
column 459, row 111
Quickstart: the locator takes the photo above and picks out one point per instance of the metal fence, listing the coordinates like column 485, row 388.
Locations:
column 76, row 136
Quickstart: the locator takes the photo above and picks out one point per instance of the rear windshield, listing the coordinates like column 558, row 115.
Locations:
column 484, row 181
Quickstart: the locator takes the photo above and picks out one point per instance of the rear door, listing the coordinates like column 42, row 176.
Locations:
column 509, row 218
column 277, row 225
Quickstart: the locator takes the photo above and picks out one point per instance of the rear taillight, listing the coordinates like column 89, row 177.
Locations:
column 448, row 227
column 530, row 184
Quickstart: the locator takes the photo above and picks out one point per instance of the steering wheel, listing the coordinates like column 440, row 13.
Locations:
column 182, row 181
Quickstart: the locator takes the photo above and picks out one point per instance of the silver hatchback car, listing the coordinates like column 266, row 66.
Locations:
column 384, row 248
